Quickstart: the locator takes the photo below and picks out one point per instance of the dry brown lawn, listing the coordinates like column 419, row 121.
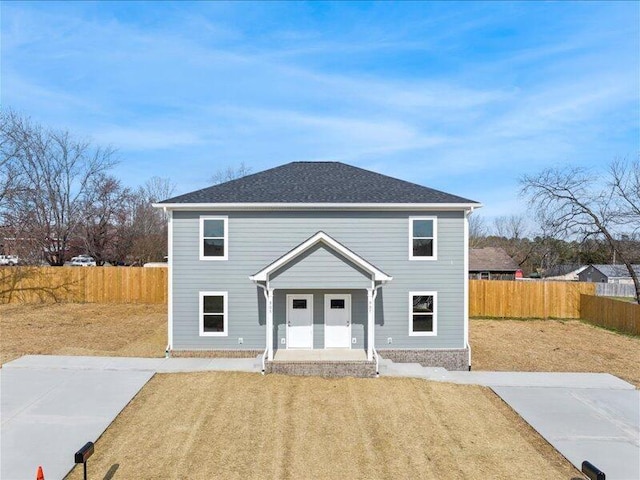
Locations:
column 244, row 426
column 553, row 346
column 82, row 329
column 140, row 330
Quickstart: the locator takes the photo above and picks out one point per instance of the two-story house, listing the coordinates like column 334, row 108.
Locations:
column 318, row 262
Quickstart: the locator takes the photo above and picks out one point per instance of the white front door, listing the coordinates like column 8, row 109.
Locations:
column 299, row 321
column 337, row 321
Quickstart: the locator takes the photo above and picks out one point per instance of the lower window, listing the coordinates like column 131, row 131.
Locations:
column 213, row 314
column 423, row 313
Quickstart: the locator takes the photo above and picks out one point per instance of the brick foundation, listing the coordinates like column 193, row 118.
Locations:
column 451, row 359
column 216, row 353
column 323, row 369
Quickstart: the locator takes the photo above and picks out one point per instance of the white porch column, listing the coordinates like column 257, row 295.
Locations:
column 270, row 324
column 371, row 314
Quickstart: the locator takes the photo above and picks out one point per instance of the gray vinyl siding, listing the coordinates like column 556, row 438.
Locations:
column 256, row 239
column 319, row 268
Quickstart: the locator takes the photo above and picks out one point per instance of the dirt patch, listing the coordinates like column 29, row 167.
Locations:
column 138, row 330
column 553, row 346
column 244, row 426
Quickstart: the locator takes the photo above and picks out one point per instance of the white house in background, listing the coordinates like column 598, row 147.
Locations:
column 568, row 273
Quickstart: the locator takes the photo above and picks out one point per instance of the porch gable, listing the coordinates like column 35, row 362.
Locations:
column 320, row 267
column 330, row 245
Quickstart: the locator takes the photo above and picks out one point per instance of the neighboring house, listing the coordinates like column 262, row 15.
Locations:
column 564, row 272
column 608, row 274
column 321, row 258
column 492, row 263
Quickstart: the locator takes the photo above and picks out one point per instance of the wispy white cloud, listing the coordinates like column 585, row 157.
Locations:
column 464, row 99
column 146, row 139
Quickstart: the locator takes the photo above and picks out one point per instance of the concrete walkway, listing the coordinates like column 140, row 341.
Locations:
column 585, row 416
column 52, row 405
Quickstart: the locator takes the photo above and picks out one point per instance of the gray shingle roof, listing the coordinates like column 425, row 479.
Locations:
column 317, row 182
column 491, row 259
column 614, row 271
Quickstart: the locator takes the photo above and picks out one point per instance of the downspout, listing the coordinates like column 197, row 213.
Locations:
column 373, row 347
column 466, row 284
column 266, row 350
column 169, row 214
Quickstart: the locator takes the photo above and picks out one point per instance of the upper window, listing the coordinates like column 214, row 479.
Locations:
column 423, row 238
column 213, row 314
column 213, row 238
column 423, row 313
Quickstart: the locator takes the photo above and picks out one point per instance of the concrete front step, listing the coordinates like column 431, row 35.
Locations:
column 323, row 369
column 391, row 368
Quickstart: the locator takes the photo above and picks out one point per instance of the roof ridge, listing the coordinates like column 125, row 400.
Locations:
column 318, row 182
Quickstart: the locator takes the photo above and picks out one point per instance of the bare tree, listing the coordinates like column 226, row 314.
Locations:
column 230, row 173
column 510, row 226
column 11, row 178
column 624, row 180
column 148, row 226
column 570, row 202
column 55, row 172
column 102, row 213
column 477, row 231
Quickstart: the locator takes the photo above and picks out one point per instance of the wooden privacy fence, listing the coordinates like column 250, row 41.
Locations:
column 83, row 284
column 487, row 298
column 614, row 314
column 523, row 299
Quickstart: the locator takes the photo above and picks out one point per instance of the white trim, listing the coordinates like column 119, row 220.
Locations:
column 225, row 315
column 170, row 281
column 309, row 298
column 378, row 275
column 435, row 239
column 225, row 219
column 435, row 315
column 319, row 206
column 269, row 322
column 327, row 304
column 465, row 293
column 371, row 312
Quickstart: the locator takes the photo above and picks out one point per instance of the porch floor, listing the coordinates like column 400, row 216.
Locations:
column 321, row 355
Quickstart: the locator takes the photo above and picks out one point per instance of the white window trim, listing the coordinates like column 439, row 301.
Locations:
column 225, row 315
column 435, row 315
column 226, row 237
column 435, row 239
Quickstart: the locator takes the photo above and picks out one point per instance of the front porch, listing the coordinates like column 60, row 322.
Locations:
column 320, row 355
column 330, row 362
column 345, row 287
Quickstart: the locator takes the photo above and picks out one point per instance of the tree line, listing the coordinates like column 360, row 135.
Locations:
column 576, row 216
column 540, row 255
column 58, row 199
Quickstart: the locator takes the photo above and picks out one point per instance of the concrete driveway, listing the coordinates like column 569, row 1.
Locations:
column 50, row 406
column 585, row 416
column 48, row 414
column 594, row 424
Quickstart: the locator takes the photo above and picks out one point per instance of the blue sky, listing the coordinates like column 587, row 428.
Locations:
column 463, row 97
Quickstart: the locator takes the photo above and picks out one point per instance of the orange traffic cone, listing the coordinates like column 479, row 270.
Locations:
column 40, row 474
